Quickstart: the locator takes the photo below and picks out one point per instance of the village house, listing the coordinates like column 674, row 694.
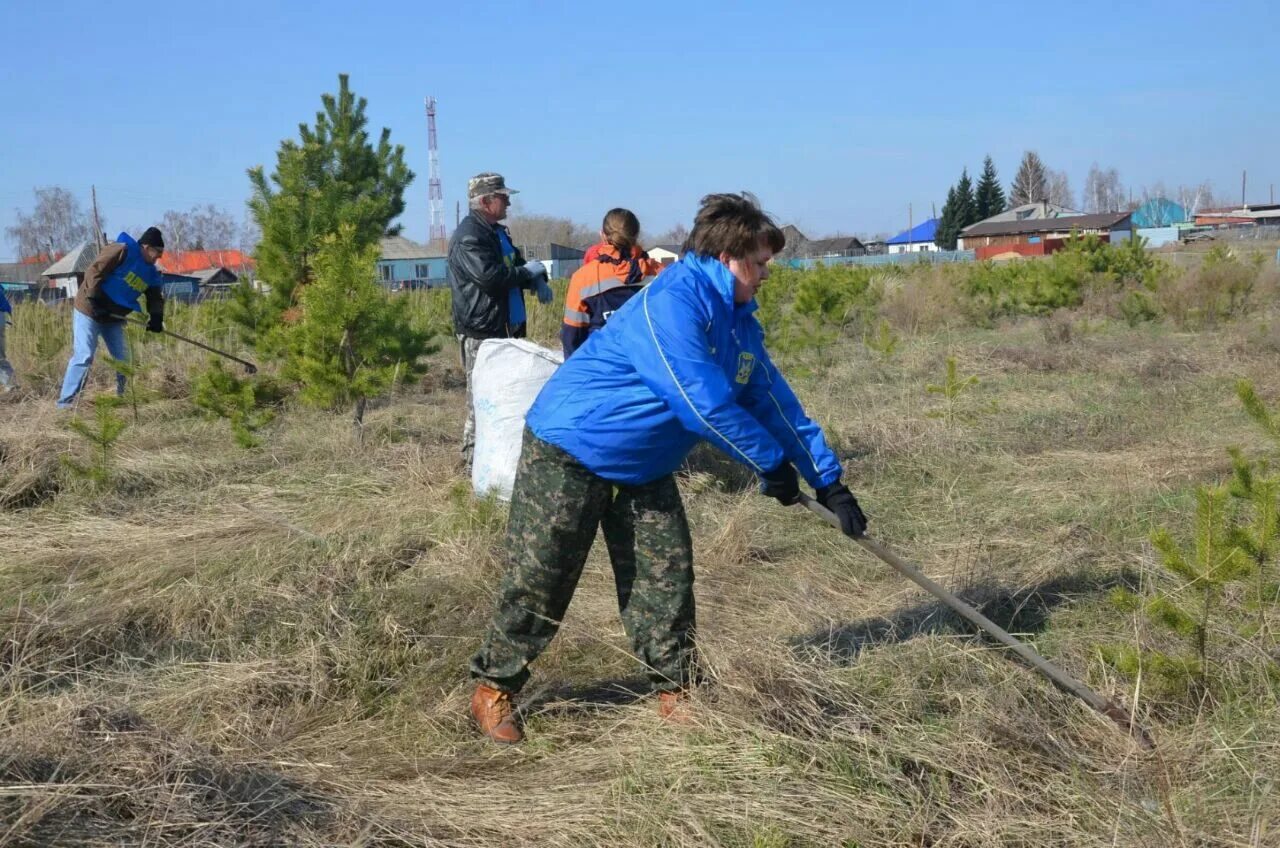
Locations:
column 918, row 239
column 405, row 264
column 1040, row 236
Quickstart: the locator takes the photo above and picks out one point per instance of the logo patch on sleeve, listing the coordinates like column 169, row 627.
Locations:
column 746, row 362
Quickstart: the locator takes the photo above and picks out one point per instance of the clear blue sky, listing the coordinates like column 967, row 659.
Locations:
column 836, row 114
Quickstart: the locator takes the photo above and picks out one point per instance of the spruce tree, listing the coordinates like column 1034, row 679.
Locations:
column 331, row 176
column 948, row 230
column 966, row 205
column 958, row 212
column 353, row 341
column 1031, row 183
column 989, row 199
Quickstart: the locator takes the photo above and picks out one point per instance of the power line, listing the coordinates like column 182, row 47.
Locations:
column 145, row 196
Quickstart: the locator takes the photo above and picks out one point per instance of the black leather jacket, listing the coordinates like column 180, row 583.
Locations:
column 481, row 281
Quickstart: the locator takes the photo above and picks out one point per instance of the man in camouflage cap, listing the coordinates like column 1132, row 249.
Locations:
column 488, row 276
column 682, row 360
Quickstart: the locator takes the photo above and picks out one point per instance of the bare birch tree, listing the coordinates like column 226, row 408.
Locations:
column 55, row 226
column 1102, row 190
column 1059, row 190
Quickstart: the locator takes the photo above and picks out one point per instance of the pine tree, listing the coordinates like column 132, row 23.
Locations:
column 989, row 199
column 242, row 402
column 247, row 311
column 1236, row 537
column 353, row 341
column 1031, row 184
column 101, row 436
column 1257, row 486
column 333, row 175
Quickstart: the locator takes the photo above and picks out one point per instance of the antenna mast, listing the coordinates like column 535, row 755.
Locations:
column 434, row 193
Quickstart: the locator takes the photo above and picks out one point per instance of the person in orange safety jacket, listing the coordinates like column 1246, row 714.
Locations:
column 617, row 269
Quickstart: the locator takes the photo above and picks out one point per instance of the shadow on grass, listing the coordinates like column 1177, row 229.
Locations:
column 729, row 476
column 569, row 698
column 1024, row 610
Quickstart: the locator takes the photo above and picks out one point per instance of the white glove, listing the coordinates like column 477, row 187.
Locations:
column 536, row 270
column 545, row 294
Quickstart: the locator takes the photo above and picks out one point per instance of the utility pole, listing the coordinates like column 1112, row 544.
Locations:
column 97, row 224
column 1244, row 180
column 457, row 212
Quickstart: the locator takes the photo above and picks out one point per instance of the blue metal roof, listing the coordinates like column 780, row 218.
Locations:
column 922, row 232
column 1159, row 212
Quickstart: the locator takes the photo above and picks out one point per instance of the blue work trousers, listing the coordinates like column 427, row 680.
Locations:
column 84, row 343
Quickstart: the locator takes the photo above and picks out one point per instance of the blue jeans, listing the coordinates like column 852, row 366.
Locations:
column 6, row 370
column 84, row 343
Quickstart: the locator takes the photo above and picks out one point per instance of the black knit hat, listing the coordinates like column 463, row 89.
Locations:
column 152, row 238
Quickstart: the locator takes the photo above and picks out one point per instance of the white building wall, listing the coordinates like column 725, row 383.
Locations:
column 561, row 269
column 69, row 284
column 915, row 247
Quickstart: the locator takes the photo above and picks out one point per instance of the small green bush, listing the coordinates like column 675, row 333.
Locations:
column 1191, row 608
column 243, row 403
column 1138, row 306
column 951, row 388
column 1235, row 541
column 806, row 311
column 1031, row 287
column 883, row 341
column 1040, row 286
column 1220, row 289
column 101, row 436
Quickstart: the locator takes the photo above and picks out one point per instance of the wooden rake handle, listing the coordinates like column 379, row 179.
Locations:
column 1057, row 676
column 249, row 367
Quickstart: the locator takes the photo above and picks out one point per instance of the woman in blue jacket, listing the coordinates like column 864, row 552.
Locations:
column 681, row 361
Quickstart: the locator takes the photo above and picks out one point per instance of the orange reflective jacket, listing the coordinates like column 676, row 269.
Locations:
column 599, row 288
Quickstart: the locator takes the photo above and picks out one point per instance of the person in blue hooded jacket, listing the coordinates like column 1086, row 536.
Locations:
column 121, row 273
column 682, row 361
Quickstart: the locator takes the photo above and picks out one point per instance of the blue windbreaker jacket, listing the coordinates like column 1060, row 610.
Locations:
column 677, row 363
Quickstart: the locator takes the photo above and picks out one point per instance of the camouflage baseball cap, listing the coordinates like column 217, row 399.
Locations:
column 487, row 183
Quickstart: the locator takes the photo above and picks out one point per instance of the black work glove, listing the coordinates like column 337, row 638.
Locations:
column 781, row 483
column 156, row 324
column 841, row 501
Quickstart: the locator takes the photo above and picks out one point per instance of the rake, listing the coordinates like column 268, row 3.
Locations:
column 249, row 367
column 1064, row 681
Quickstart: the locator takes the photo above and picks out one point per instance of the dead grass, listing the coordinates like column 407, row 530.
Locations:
column 269, row 647
column 926, row 302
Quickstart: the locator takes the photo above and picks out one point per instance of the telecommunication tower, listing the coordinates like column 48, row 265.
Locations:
column 433, row 192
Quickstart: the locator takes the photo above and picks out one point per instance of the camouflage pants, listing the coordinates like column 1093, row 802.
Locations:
column 467, row 349
column 556, row 507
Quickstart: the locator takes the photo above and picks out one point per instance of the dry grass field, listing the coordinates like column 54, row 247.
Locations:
column 269, row 647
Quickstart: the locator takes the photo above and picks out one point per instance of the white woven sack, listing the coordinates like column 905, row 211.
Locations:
column 505, row 380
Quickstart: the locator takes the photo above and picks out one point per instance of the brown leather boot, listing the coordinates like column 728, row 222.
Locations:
column 495, row 714
column 675, row 707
